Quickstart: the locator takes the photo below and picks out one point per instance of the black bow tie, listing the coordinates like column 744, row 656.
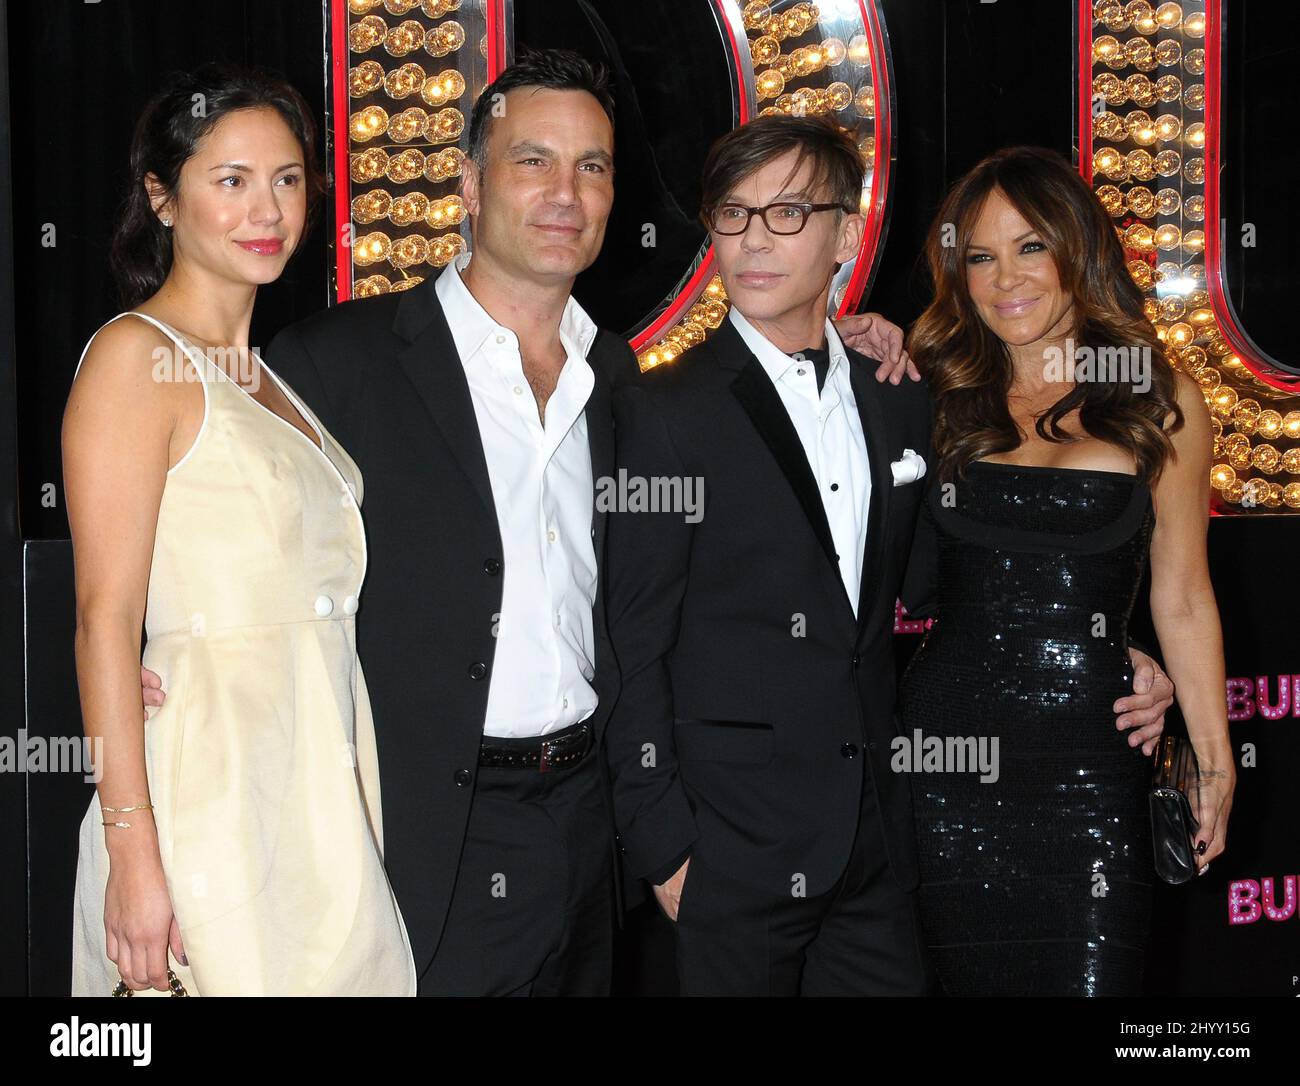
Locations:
column 821, row 363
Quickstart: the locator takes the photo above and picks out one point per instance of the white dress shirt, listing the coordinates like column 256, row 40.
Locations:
column 543, row 491
column 830, row 430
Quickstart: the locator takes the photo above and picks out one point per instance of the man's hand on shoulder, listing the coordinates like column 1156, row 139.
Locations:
column 870, row 334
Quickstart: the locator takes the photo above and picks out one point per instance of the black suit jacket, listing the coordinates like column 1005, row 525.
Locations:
column 751, row 693
column 384, row 377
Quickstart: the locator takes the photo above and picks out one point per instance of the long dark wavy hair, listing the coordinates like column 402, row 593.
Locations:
column 167, row 135
column 970, row 369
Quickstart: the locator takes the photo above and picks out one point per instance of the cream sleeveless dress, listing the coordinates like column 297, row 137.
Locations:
column 262, row 764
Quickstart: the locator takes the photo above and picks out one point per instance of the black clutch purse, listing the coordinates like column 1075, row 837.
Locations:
column 1175, row 781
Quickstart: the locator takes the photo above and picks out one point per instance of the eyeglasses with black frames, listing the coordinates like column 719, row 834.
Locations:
column 783, row 218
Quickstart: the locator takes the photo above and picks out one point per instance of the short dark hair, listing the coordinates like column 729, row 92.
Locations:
column 551, row 69
column 167, row 135
column 837, row 162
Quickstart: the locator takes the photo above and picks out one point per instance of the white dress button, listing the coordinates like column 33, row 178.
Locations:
column 501, row 339
column 324, row 605
column 350, row 605
column 550, row 536
column 518, row 391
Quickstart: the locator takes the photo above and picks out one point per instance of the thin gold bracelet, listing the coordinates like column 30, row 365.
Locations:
column 124, row 810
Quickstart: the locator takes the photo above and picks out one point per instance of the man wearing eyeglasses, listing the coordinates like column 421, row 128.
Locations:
column 750, row 747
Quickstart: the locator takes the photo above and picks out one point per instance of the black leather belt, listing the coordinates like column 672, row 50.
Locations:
column 559, row 750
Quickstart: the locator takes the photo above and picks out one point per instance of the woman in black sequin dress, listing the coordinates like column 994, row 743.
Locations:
column 1040, row 518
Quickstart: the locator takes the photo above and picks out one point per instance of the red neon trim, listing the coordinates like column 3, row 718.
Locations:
column 690, row 294
column 880, row 176
column 1223, row 313
column 496, row 52
column 342, row 174
column 1084, row 12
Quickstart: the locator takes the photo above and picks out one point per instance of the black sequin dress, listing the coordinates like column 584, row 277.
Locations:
column 1038, row 883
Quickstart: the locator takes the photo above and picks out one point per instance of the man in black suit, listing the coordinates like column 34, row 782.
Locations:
column 477, row 408
column 751, row 743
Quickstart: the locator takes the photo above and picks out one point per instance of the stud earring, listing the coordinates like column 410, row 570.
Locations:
column 166, row 222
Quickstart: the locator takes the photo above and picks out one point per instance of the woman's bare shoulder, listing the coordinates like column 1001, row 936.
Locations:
column 130, row 356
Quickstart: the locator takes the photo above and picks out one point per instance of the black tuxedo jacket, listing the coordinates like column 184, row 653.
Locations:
column 384, row 377
column 751, row 693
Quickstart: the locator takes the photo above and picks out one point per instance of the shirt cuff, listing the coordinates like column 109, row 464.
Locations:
column 658, row 878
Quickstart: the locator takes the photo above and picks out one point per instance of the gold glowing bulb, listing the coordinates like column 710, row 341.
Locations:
column 1223, row 401
column 1139, row 238
column 1221, row 476
column 1168, row 52
column 769, row 84
column 1105, row 48
column 756, row 15
column 1109, row 126
column 1169, row 16
column 368, row 123
column 1168, row 162
column 839, row 96
column 1140, row 165
column 1109, row 162
column 1141, row 201
column 1145, row 278
column 834, row 51
column 365, row 78
column 1266, row 458
column 371, row 248
column 1167, row 237
column 1269, row 424
column 1168, row 127
column 1111, row 199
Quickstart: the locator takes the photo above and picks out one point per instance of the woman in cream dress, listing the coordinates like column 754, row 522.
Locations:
column 235, row 838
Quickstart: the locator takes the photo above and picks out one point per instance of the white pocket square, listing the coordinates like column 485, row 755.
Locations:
column 908, row 468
